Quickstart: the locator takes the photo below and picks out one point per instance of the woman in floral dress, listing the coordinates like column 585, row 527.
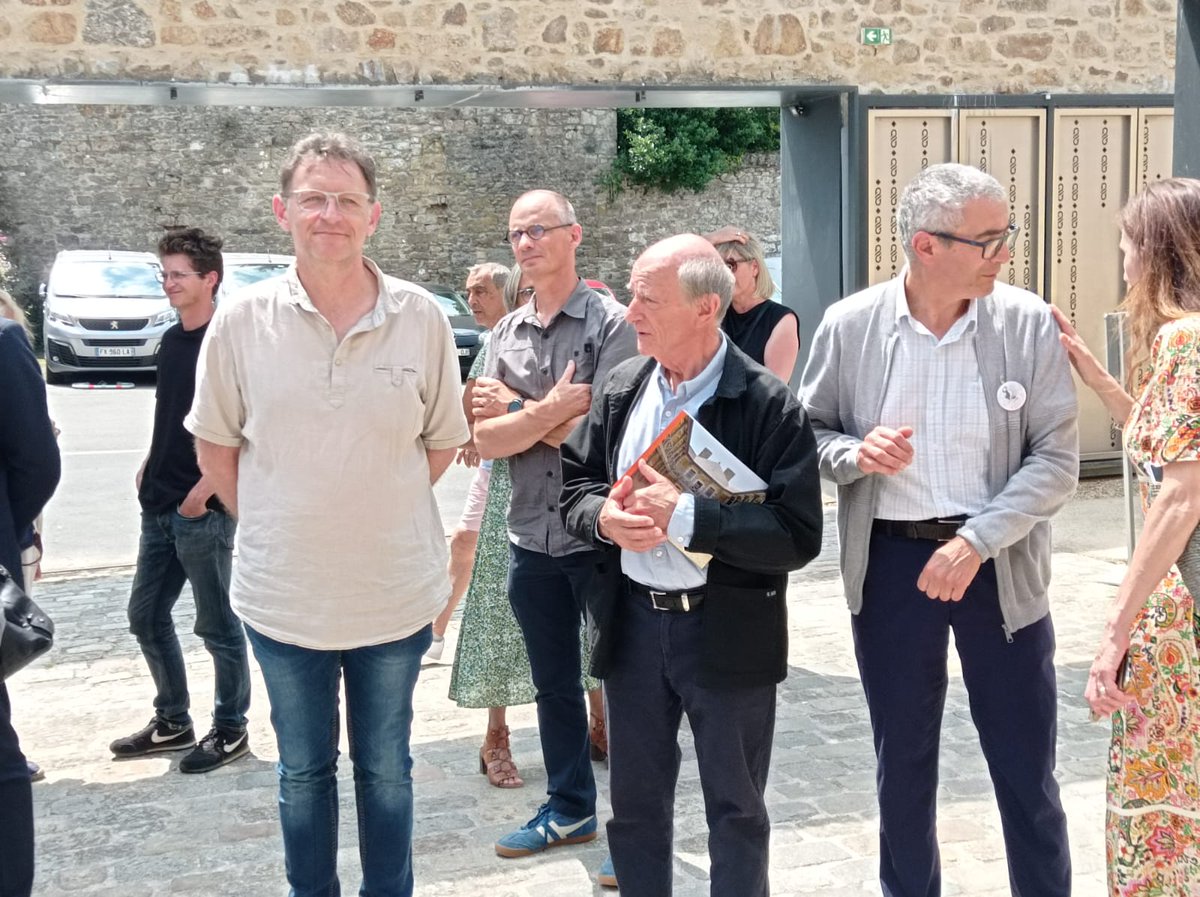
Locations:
column 491, row 667
column 1153, row 806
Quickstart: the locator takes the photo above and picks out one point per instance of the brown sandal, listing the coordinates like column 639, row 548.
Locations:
column 496, row 762
column 598, row 735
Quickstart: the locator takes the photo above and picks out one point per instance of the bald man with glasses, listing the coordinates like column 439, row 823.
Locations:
column 542, row 361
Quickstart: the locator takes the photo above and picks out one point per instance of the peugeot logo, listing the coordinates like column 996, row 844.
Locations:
column 113, row 325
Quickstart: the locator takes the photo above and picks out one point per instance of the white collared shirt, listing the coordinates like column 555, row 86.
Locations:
column 662, row 567
column 936, row 388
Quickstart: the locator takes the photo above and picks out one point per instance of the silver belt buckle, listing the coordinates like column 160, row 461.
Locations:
column 944, row 523
column 654, row 596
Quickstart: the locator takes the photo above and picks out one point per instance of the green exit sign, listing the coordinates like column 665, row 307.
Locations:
column 877, row 37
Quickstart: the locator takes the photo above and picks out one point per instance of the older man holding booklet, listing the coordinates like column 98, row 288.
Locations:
column 672, row 636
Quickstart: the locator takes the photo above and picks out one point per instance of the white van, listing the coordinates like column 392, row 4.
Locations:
column 104, row 311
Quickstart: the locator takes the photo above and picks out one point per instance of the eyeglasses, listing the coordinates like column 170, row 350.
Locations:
column 732, row 264
column 989, row 249
column 175, row 276
column 534, row 232
column 314, row 202
column 525, row 293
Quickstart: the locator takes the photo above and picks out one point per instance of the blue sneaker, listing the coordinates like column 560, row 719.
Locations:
column 607, row 876
column 546, row 829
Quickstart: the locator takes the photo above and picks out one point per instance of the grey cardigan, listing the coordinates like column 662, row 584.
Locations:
column 1034, row 466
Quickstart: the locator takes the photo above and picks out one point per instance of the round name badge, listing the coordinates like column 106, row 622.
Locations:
column 1011, row 395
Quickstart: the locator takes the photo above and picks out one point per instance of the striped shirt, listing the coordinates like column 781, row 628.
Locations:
column 935, row 387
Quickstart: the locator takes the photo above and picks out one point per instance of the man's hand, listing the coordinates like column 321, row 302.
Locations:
column 633, row 532
column 467, row 455
column 137, row 477
column 950, row 571
column 569, row 399
column 491, row 397
column 196, row 502
column 886, row 451
column 656, row 500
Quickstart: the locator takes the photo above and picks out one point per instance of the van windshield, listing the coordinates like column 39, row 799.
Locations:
column 104, row 278
column 237, row 276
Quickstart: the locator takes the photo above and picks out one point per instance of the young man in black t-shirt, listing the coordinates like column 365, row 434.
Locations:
column 186, row 535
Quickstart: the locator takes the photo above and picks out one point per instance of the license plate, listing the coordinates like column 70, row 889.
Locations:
column 115, row 352
column 464, row 352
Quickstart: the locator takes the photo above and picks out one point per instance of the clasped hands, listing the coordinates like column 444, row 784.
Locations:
column 637, row 519
column 491, row 397
column 953, row 566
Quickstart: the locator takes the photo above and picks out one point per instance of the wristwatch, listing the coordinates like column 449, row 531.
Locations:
column 516, row 405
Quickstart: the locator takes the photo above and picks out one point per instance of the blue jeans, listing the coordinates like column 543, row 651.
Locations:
column 302, row 685
column 175, row 549
column 547, row 597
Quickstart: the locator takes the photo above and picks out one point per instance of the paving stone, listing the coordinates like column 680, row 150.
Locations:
column 106, row 828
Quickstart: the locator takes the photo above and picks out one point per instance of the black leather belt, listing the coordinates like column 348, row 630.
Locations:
column 679, row 602
column 939, row 529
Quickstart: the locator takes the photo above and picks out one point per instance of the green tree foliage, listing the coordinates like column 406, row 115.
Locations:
column 672, row 149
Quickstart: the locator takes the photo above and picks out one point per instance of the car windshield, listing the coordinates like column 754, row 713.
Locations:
column 104, row 278
column 451, row 302
column 238, row 276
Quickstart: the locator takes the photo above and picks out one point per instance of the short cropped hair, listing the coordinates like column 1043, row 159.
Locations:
column 494, row 271
column 934, row 200
column 203, row 250
column 328, row 145
column 704, row 275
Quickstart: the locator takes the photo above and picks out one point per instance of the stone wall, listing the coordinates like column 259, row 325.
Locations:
column 980, row 46
column 106, row 177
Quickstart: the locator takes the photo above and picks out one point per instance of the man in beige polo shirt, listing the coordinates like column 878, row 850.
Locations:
column 327, row 404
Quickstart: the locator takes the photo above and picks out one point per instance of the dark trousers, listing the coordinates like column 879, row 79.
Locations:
column 901, row 639
column 16, row 810
column 651, row 684
column 547, row 597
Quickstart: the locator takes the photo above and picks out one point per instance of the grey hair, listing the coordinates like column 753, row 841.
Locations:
column 328, row 145
column 512, row 287
column 497, row 273
column 566, row 211
column 703, row 276
column 933, row 201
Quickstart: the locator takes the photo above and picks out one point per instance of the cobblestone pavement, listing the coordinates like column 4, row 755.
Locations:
column 139, row 827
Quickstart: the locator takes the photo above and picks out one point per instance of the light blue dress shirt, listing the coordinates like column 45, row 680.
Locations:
column 662, row 567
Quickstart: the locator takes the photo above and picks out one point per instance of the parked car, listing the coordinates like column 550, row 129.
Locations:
column 466, row 331
column 245, row 268
column 103, row 311
column 602, row 288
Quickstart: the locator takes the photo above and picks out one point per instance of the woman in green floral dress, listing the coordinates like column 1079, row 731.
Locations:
column 1153, row 807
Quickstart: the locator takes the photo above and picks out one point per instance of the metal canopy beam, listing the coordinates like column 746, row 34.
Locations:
column 434, row 96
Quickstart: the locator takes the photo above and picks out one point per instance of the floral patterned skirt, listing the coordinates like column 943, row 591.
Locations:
column 1153, row 819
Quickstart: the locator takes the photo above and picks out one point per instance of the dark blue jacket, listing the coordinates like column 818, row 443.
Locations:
column 744, row 615
column 29, row 460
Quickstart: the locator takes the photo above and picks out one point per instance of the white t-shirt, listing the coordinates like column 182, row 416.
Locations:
column 339, row 538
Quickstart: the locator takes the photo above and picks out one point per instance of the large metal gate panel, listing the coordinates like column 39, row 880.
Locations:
column 1156, row 133
column 1092, row 172
column 1010, row 145
column 900, row 144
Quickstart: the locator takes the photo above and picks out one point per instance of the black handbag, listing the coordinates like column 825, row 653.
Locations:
column 28, row 630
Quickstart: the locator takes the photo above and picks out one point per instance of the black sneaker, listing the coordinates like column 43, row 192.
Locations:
column 216, row 749
column 157, row 736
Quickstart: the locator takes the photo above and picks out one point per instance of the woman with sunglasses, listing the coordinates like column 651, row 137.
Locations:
column 767, row 331
column 1152, row 830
